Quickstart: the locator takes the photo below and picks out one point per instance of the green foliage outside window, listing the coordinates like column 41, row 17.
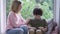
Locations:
column 29, row 5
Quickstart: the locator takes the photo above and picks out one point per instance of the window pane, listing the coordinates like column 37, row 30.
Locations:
column 29, row 5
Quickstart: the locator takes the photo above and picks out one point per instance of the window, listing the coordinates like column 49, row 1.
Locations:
column 42, row 5
column 0, row 17
column 28, row 6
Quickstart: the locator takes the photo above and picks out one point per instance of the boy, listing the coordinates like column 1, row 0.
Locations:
column 37, row 22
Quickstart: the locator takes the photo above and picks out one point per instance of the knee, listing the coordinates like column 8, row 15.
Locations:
column 24, row 27
column 21, row 30
column 31, row 31
column 38, row 32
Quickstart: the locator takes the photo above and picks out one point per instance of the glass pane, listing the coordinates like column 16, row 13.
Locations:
column 29, row 5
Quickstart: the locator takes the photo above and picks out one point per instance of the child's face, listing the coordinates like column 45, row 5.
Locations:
column 37, row 16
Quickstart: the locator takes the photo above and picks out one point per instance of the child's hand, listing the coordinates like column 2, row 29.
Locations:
column 32, row 28
column 41, row 28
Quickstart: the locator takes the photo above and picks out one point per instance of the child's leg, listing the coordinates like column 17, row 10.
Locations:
column 38, row 31
column 31, row 31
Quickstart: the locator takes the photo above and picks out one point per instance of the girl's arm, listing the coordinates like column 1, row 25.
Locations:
column 27, row 21
column 23, row 20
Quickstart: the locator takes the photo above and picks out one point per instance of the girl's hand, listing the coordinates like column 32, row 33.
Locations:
column 27, row 21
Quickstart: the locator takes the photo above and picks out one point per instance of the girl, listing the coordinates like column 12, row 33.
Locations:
column 16, row 23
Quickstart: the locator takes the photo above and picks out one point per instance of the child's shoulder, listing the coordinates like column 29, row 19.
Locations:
column 39, row 19
column 43, row 19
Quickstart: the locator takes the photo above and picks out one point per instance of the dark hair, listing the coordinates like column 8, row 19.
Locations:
column 37, row 11
column 15, row 6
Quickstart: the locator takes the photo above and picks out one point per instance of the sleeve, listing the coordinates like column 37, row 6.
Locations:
column 23, row 19
column 12, row 20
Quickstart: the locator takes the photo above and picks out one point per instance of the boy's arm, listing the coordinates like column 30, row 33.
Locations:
column 31, row 27
column 45, row 26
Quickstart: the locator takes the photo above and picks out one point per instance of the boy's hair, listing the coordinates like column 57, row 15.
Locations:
column 37, row 11
column 15, row 6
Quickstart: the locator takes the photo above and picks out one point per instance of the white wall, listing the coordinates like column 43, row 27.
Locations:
column 3, row 13
column 59, row 13
column 0, row 16
column 3, row 16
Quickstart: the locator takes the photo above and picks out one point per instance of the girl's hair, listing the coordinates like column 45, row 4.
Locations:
column 15, row 6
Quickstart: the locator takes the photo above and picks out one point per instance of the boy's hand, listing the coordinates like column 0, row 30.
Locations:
column 32, row 28
column 41, row 28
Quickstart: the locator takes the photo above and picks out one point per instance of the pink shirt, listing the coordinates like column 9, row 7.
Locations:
column 13, row 20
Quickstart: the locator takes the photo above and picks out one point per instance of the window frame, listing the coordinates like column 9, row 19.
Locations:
column 3, row 13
